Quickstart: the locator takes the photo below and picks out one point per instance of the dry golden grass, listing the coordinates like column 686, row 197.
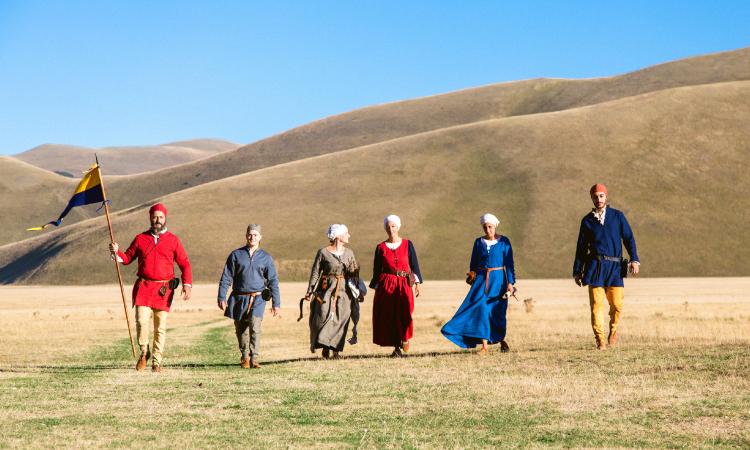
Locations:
column 381, row 123
column 51, row 324
column 667, row 157
column 680, row 376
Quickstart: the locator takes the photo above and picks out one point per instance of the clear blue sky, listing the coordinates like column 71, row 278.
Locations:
column 103, row 73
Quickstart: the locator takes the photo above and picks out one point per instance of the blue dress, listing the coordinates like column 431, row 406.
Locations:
column 482, row 313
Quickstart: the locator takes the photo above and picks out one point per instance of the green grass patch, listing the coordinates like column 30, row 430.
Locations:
column 640, row 396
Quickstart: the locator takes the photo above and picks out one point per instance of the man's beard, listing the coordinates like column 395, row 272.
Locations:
column 157, row 227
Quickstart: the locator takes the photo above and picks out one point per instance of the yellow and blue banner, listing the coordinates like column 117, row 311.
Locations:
column 89, row 191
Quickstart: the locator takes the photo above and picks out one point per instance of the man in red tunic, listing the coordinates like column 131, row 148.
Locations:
column 157, row 250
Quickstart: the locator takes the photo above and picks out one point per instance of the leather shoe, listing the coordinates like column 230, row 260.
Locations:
column 612, row 338
column 406, row 345
column 156, row 368
column 245, row 363
column 504, row 347
column 141, row 364
column 254, row 364
column 397, row 353
column 326, row 353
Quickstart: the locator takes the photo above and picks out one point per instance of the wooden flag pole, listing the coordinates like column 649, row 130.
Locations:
column 117, row 265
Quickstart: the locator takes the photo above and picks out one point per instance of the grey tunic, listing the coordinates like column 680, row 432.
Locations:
column 329, row 317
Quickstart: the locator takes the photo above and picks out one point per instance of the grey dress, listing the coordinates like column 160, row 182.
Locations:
column 330, row 305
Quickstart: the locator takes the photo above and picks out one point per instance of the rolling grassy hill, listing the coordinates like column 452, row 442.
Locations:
column 382, row 123
column 70, row 160
column 396, row 120
column 674, row 160
column 30, row 196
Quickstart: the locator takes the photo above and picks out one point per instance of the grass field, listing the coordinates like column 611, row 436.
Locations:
column 679, row 378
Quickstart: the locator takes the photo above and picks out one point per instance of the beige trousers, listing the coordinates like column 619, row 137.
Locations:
column 248, row 336
column 143, row 316
column 598, row 298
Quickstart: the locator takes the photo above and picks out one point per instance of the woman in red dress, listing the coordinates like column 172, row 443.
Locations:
column 395, row 274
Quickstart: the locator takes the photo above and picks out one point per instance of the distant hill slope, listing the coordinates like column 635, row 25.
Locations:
column 395, row 120
column 674, row 160
column 30, row 196
column 70, row 160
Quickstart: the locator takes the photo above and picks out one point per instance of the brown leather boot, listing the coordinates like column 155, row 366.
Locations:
column 601, row 345
column 141, row 364
column 612, row 338
column 254, row 364
column 405, row 346
column 245, row 363
column 156, row 368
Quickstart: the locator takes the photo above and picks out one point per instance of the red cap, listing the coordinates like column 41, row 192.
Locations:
column 594, row 189
column 158, row 207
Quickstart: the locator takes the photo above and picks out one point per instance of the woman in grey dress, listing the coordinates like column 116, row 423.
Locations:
column 333, row 285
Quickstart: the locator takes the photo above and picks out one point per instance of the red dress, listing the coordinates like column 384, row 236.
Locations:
column 155, row 265
column 394, row 298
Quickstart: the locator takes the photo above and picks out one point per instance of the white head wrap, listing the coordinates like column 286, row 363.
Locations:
column 392, row 218
column 336, row 230
column 489, row 218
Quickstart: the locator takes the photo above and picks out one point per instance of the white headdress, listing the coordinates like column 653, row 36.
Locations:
column 489, row 218
column 392, row 218
column 336, row 230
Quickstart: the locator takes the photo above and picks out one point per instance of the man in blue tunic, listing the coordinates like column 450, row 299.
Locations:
column 249, row 270
column 599, row 263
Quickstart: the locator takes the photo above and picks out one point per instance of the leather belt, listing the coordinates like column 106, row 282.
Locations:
column 398, row 273
column 142, row 278
column 487, row 276
column 252, row 296
column 335, row 298
column 248, row 294
column 609, row 258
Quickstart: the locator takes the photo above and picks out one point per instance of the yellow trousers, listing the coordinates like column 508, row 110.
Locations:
column 142, row 324
column 615, row 297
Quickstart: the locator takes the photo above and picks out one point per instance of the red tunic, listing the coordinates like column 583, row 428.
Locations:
column 156, row 262
column 394, row 299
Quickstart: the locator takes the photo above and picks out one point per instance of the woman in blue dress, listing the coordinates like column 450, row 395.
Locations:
column 480, row 320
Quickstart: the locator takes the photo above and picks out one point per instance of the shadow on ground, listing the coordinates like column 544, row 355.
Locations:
column 196, row 365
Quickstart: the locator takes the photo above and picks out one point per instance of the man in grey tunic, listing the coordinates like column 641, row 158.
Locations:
column 249, row 270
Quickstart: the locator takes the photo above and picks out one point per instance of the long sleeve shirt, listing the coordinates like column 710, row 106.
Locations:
column 156, row 257
column 597, row 239
column 247, row 273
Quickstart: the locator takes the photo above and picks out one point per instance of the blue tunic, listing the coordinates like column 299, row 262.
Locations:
column 247, row 273
column 482, row 315
column 596, row 240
